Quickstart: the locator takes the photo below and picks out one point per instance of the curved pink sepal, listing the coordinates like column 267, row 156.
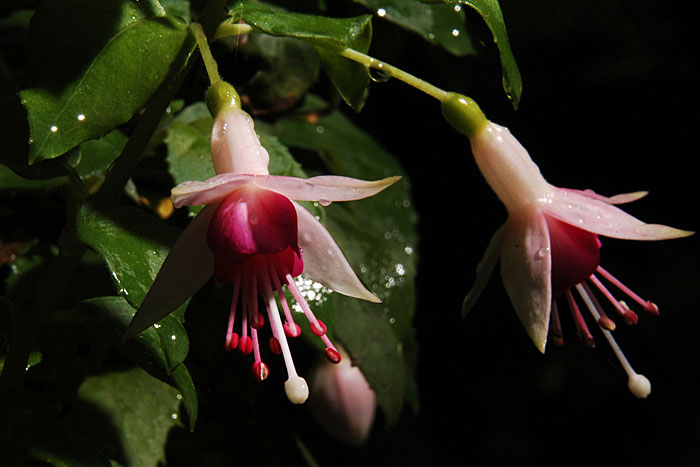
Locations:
column 597, row 216
column 326, row 189
column 324, row 262
column 526, row 268
column 484, row 270
column 187, row 267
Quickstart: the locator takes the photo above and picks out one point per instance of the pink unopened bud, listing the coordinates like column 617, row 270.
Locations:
column 341, row 400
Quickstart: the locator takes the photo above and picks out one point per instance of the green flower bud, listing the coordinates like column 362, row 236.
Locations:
column 221, row 96
column 463, row 114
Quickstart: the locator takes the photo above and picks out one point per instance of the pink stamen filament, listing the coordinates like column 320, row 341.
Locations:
column 557, row 333
column 638, row 384
column 294, row 330
column 649, row 306
column 629, row 316
column 316, row 325
column 583, row 331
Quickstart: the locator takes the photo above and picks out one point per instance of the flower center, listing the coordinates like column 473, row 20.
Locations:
column 253, row 235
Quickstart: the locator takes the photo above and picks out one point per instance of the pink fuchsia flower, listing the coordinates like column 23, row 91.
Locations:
column 342, row 401
column 549, row 247
column 253, row 234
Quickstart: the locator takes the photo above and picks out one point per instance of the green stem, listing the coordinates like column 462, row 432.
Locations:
column 394, row 72
column 209, row 62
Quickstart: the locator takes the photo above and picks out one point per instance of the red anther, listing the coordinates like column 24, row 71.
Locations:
column 652, row 308
column 292, row 329
column 275, row 346
column 260, row 371
column 245, row 345
column 332, row 355
column 586, row 339
column 631, row 317
column 606, row 323
column 232, row 342
column 558, row 341
column 257, row 321
column 318, row 328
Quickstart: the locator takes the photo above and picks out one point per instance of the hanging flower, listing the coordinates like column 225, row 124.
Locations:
column 252, row 234
column 549, row 246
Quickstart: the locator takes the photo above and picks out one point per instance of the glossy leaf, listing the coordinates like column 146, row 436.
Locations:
column 127, row 413
column 443, row 25
column 87, row 77
column 329, row 35
column 490, row 11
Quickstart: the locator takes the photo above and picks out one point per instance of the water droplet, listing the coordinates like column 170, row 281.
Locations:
column 53, row 128
column 324, row 202
column 253, row 219
column 173, row 337
column 542, row 253
column 458, row 8
column 455, row 32
column 381, row 12
column 320, row 129
column 80, row 117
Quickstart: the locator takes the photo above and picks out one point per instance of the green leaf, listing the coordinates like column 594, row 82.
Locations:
column 329, row 35
column 133, row 243
column 443, row 25
column 378, row 236
column 128, row 414
column 490, row 11
column 86, row 78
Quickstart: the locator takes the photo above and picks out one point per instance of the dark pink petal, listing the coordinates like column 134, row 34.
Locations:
column 250, row 222
column 575, row 255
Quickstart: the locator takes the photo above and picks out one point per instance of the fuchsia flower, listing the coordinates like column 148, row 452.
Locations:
column 252, row 234
column 549, row 246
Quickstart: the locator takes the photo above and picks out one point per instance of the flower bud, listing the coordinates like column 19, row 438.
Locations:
column 341, row 400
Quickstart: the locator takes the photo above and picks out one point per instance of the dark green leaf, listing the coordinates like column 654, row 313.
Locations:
column 85, row 78
column 443, row 25
column 133, row 243
column 490, row 11
column 128, row 414
column 329, row 35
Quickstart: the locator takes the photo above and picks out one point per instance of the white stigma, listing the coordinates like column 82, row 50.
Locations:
column 639, row 385
column 297, row 390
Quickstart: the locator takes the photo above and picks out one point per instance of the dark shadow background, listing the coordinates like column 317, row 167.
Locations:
column 609, row 103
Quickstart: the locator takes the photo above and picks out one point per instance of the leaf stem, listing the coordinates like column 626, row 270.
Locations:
column 397, row 73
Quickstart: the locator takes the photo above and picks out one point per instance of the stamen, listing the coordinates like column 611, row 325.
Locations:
column 638, row 384
column 232, row 337
column 317, row 326
column 555, row 329
column 604, row 321
column 260, row 371
column 291, row 328
column 275, row 347
column 295, row 386
column 629, row 316
column 583, row 333
column 648, row 306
